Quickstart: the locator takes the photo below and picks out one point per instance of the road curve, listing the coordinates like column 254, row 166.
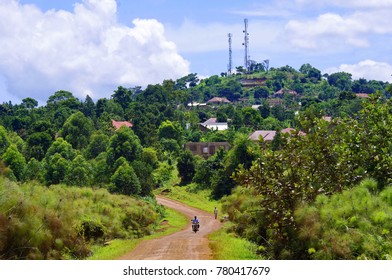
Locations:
column 182, row 245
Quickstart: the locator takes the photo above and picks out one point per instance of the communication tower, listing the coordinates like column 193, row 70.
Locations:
column 246, row 44
column 229, row 66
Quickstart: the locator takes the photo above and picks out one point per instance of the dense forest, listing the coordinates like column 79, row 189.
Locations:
column 319, row 191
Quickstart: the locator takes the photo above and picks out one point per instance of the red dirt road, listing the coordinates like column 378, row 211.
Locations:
column 182, row 245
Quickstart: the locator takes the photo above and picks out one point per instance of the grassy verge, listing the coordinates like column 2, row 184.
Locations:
column 225, row 246
column 173, row 222
column 188, row 195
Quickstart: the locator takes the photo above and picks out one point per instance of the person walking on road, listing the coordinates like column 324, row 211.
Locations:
column 216, row 213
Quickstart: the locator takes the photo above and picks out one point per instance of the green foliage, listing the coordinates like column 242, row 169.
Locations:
column 4, row 140
column 163, row 174
column 98, row 144
column 60, row 222
column 124, row 143
column 77, row 130
column 186, row 166
column 354, row 224
column 227, row 246
column 56, row 169
column 79, row 173
column 170, row 130
column 125, row 180
column 61, row 147
column 15, row 161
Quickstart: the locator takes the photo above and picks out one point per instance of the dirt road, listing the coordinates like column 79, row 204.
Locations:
column 182, row 245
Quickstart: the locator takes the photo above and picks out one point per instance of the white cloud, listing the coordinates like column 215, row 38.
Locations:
column 368, row 69
column 84, row 51
column 333, row 31
column 347, row 3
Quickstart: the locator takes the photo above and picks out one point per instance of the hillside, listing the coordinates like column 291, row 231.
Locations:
column 321, row 136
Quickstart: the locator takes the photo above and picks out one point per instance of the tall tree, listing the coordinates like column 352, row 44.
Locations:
column 124, row 143
column 77, row 130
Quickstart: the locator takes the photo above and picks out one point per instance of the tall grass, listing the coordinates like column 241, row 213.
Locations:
column 354, row 224
column 172, row 222
column 227, row 246
column 61, row 222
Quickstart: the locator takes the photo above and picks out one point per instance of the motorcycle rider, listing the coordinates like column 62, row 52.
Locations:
column 196, row 221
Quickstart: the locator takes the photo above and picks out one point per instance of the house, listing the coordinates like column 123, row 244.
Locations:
column 280, row 93
column 206, row 149
column 291, row 130
column 196, row 104
column 362, row 95
column 212, row 124
column 274, row 102
column 269, row 135
column 250, row 83
column 117, row 124
column 218, row 100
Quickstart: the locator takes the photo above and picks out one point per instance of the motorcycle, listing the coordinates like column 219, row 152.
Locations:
column 195, row 227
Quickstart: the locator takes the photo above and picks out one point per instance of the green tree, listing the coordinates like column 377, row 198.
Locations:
column 79, row 173
column 61, row 147
column 122, row 96
column 4, row 140
column 251, row 118
column 37, row 144
column 16, row 161
column 170, row 130
column 186, row 166
column 29, row 103
column 124, row 143
column 77, row 130
column 35, row 171
column 125, row 180
column 56, row 169
column 99, row 143
column 341, row 80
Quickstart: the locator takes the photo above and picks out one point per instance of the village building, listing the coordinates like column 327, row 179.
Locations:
column 118, row 124
column 212, row 124
column 206, row 149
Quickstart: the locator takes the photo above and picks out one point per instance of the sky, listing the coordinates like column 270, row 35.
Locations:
column 90, row 47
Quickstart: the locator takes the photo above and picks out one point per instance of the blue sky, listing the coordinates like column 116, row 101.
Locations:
column 93, row 46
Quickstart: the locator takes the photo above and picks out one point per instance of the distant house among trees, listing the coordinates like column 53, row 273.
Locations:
column 280, row 93
column 269, row 135
column 250, row 83
column 362, row 95
column 117, row 124
column 218, row 100
column 212, row 124
column 272, row 102
column 206, row 149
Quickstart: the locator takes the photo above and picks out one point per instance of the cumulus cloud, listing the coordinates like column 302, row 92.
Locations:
column 86, row 51
column 368, row 69
column 331, row 30
column 347, row 3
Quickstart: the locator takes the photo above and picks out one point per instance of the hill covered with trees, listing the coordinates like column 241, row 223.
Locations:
column 276, row 193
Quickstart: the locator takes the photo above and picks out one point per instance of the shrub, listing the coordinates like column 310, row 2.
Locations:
column 60, row 222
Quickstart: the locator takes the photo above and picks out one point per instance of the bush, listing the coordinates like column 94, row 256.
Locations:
column 62, row 222
column 355, row 224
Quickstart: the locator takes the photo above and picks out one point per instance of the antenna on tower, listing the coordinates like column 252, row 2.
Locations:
column 246, row 44
column 229, row 66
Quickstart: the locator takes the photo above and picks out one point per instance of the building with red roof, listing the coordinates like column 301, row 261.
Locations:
column 117, row 124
